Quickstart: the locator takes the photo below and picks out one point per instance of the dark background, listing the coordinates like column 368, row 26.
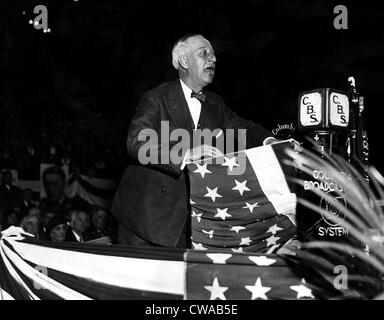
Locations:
column 81, row 82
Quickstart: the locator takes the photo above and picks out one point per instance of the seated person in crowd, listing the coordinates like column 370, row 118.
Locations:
column 99, row 221
column 10, row 195
column 54, row 182
column 57, row 229
column 79, row 225
column 56, row 201
column 31, row 224
column 35, row 212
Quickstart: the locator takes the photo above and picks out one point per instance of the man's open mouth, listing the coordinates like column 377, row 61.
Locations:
column 210, row 69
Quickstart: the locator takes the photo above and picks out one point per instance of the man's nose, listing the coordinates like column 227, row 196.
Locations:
column 212, row 57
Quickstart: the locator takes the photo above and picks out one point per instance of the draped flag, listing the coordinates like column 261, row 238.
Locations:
column 242, row 201
column 34, row 269
column 95, row 191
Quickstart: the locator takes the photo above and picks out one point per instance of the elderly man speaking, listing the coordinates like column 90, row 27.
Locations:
column 152, row 201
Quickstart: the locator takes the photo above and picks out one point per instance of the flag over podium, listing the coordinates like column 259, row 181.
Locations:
column 243, row 201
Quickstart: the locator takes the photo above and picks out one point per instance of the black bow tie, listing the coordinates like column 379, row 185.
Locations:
column 198, row 96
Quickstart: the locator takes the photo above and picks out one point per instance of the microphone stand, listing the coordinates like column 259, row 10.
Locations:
column 354, row 99
column 363, row 151
column 357, row 144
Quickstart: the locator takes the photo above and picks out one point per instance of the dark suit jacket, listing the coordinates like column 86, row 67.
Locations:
column 11, row 197
column 153, row 200
column 70, row 237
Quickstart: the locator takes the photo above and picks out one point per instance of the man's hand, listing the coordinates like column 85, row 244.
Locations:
column 296, row 144
column 202, row 151
column 290, row 247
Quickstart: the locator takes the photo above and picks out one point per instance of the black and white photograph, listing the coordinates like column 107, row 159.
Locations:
column 207, row 150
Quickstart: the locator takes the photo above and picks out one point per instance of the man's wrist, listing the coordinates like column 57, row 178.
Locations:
column 269, row 140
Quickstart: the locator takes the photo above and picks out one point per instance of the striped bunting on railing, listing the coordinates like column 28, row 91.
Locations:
column 33, row 269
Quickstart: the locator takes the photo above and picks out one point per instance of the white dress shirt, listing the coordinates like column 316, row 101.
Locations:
column 194, row 105
column 78, row 237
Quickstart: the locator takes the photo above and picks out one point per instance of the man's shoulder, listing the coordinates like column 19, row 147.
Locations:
column 214, row 97
column 162, row 89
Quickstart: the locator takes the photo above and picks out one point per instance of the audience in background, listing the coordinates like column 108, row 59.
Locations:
column 56, row 217
column 78, row 227
column 100, row 154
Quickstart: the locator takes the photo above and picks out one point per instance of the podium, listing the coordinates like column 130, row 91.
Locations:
column 243, row 201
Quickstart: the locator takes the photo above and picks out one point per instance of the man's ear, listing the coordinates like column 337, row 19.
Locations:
column 183, row 62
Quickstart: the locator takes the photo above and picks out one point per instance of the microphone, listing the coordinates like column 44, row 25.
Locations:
column 352, row 82
column 354, row 93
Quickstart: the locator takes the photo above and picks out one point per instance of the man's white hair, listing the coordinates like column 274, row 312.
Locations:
column 180, row 49
column 27, row 219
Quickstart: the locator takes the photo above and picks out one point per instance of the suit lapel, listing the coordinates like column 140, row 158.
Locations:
column 208, row 118
column 180, row 114
column 178, row 107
